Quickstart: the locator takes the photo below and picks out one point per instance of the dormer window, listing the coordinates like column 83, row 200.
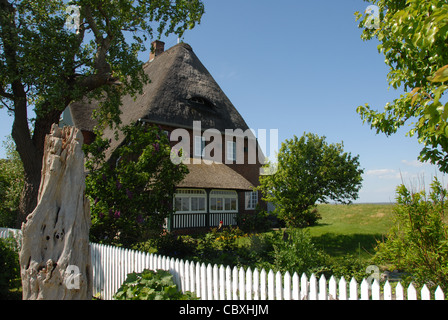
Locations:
column 198, row 100
column 202, row 102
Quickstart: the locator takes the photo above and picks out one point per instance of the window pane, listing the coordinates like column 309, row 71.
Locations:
column 178, row 204
column 231, row 150
column 185, row 204
column 233, row 205
column 219, row 204
column 247, row 197
column 197, row 146
column 194, row 204
column 227, row 204
column 213, row 203
column 251, row 199
column 201, row 204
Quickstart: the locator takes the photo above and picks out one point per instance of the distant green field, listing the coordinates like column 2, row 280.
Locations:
column 351, row 229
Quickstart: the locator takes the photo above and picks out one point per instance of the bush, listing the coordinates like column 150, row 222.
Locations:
column 418, row 241
column 254, row 222
column 151, row 285
column 173, row 245
column 294, row 251
column 9, row 266
column 347, row 266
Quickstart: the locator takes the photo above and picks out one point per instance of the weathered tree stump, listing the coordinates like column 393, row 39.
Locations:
column 55, row 256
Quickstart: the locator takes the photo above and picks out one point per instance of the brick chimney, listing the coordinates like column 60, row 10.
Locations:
column 157, row 47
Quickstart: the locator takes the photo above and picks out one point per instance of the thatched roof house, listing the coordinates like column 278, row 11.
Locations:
column 181, row 90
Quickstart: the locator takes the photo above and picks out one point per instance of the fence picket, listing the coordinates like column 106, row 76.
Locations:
column 271, row 285
column 332, row 289
column 387, row 291
column 412, row 293
column 228, row 283
column 235, row 283
column 426, row 295
column 364, row 290
column 439, row 295
column 376, row 290
column 263, row 285
column 181, row 265
column 287, row 286
column 278, row 286
column 222, row 283
column 399, row 292
column 342, row 289
column 203, row 279
column 256, row 284
column 249, row 284
column 322, row 288
column 295, row 287
column 188, row 276
column 353, row 289
column 241, row 284
column 313, row 292
column 304, row 287
column 216, row 282
column 209, row 282
column 197, row 279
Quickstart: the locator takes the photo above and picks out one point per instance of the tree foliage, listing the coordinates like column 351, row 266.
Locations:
column 44, row 65
column 11, row 184
column 309, row 171
column 132, row 192
column 413, row 36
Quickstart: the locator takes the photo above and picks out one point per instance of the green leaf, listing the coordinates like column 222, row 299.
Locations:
column 440, row 75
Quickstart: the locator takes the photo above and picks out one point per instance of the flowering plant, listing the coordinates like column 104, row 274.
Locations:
column 131, row 191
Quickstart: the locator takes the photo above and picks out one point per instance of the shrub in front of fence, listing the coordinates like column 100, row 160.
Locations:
column 151, row 285
column 9, row 266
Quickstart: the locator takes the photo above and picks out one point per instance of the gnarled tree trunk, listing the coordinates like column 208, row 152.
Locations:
column 55, row 256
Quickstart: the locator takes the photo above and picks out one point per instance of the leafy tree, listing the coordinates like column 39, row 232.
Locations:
column 132, row 193
column 309, row 171
column 11, row 184
column 418, row 241
column 413, row 37
column 44, row 65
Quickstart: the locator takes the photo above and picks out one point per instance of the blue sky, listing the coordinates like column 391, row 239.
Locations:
column 300, row 66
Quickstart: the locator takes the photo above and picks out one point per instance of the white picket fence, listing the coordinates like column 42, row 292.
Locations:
column 111, row 266
column 225, row 283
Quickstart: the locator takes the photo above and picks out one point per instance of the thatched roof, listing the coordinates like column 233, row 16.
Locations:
column 214, row 176
column 181, row 91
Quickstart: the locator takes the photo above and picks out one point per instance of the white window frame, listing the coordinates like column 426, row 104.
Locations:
column 250, row 200
column 199, row 146
column 231, row 150
column 225, row 197
column 187, row 195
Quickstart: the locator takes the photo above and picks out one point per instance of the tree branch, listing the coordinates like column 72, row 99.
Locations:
column 103, row 68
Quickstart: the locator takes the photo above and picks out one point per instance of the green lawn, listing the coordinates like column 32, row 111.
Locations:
column 351, row 229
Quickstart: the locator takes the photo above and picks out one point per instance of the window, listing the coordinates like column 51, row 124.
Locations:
column 199, row 146
column 223, row 201
column 201, row 101
column 190, row 201
column 251, row 200
column 231, row 150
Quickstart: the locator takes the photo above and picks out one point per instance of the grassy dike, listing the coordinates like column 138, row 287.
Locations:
column 351, row 229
